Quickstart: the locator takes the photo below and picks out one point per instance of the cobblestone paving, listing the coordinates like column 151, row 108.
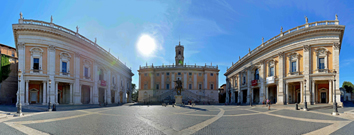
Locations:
column 157, row 120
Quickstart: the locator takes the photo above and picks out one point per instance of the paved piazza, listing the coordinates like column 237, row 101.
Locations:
column 201, row 119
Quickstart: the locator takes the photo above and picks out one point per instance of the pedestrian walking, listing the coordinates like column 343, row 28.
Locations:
column 268, row 102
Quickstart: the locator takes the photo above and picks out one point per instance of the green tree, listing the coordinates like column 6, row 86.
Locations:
column 135, row 93
column 5, row 67
column 349, row 87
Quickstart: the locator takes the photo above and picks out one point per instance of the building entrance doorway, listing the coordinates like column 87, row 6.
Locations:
column 323, row 97
column 236, row 97
column 85, row 94
column 255, row 96
column 101, row 93
column 244, row 96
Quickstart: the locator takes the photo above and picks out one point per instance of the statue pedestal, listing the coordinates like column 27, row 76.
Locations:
column 178, row 99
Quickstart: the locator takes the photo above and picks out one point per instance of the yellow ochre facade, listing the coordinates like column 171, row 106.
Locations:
column 297, row 62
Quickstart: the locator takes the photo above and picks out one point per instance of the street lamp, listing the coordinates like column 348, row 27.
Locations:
column 305, row 104
column 19, row 106
column 335, row 110
column 49, row 107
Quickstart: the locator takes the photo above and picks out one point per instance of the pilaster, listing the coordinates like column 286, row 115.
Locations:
column 281, row 97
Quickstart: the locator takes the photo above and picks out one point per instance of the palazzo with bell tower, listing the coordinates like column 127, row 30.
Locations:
column 200, row 83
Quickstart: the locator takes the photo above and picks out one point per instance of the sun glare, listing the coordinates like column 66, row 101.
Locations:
column 146, row 45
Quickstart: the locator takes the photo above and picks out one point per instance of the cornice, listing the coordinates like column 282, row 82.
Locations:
column 281, row 38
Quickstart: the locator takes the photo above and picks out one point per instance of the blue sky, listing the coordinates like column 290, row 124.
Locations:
column 212, row 31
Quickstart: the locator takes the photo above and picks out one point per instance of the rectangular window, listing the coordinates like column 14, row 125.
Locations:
column 63, row 67
column 145, row 86
column 157, row 86
column 200, row 86
column 86, row 72
column 211, row 74
column 190, row 73
column 190, row 86
column 167, row 86
column 271, row 71
column 244, row 80
column 321, row 63
column 145, row 74
column 179, row 73
column 200, row 74
column 211, row 86
column 157, row 74
column 167, row 73
column 293, row 66
column 36, row 63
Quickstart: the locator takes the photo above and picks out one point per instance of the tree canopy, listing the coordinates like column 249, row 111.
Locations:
column 5, row 67
column 349, row 87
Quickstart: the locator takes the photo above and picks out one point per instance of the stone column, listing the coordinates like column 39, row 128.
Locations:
column 95, row 81
column 267, row 92
column 330, row 91
column 71, row 94
column 185, row 80
column 44, row 91
column 51, row 69
column 307, row 70
column 109, row 101
column 77, row 86
column 280, row 90
column 239, row 89
column 152, row 81
column 301, row 93
column 217, row 81
column 313, row 93
column 56, row 93
column 286, row 93
column 232, row 90
column 162, row 81
column 262, row 79
column 195, row 81
column 27, row 93
column 172, row 80
column 205, row 81
column 227, row 90
column 248, row 85
column 336, row 48
column 21, row 66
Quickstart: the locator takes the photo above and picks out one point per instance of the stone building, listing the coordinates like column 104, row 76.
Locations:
column 8, row 84
column 278, row 68
column 200, row 83
column 80, row 71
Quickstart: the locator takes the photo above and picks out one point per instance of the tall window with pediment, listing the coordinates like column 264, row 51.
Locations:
column 294, row 63
column 271, row 67
column 322, row 58
column 87, row 69
column 256, row 74
column 36, row 60
column 65, row 63
column 100, row 74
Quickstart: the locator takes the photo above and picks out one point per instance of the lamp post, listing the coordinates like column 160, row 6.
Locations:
column 335, row 110
column 305, row 104
column 19, row 106
column 49, row 104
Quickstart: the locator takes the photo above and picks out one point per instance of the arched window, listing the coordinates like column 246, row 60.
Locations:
column 256, row 74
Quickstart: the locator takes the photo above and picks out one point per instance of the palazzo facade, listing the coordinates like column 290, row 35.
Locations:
column 80, row 71
column 200, row 83
column 277, row 69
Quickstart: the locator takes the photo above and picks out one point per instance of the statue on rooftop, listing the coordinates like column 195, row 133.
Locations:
column 21, row 17
column 281, row 29
column 51, row 19
column 307, row 20
column 336, row 17
column 77, row 29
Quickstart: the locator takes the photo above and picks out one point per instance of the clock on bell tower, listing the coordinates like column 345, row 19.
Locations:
column 179, row 55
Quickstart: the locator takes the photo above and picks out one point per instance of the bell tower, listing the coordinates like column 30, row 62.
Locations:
column 179, row 55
